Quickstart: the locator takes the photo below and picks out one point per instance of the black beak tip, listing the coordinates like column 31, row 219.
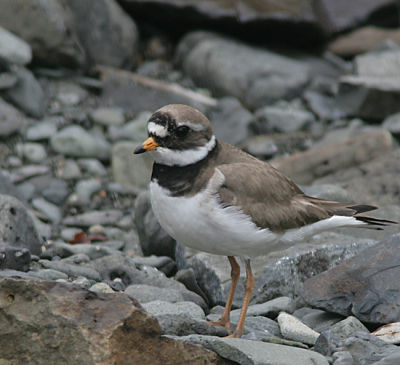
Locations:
column 139, row 149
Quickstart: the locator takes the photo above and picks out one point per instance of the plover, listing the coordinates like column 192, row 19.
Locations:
column 213, row 197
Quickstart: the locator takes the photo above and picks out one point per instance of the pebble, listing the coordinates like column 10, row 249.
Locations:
column 28, row 171
column 390, row 333
column 42, row 130
column 69, row 170
column 101, row 288
column 34, row 152
column 51, row 211
column 293, row 329
column 92, row 166
column 70, row 94
column 108, row 116
column 75, row 141
column 14, row 50
column 161, row 307
column 103, row 217
column 134, row 130
column 7, row 80
column 84, row 189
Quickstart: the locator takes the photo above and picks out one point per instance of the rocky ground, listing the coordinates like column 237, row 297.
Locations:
column 87, row 274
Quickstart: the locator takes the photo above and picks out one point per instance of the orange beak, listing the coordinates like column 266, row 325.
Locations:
column 148, row 145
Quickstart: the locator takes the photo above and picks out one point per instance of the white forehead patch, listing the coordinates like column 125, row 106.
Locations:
column 157, row 129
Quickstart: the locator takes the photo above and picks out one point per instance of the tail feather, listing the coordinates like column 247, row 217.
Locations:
column 374, row 222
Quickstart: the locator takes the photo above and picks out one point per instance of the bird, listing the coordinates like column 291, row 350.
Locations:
column 213, row 197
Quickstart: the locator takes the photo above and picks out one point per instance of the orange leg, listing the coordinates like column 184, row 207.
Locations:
column 225, row 318
column 249, row 286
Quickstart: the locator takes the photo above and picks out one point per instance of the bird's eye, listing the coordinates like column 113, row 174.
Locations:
column 182, row 131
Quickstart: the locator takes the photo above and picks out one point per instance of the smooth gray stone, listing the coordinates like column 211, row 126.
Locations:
column 34, row 152
column 255, row 76
column 75, row 141
column 50, row 210
column 12, row 120
column 42, row 130
column 247, row 352
column 71, row 270
column 49, row 274
column 27, row 94
column 160, row 308
column 86, row 188
column 230, row 120
column 56, row 192
column 134, row 130
column 317, row 319
column 14, row 50
column 7, row 80
column 387, row 59
column 92, row 166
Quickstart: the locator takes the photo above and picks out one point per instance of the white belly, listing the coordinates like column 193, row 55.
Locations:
column 200, row 222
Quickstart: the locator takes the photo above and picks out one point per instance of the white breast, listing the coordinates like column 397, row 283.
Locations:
column 200, row 222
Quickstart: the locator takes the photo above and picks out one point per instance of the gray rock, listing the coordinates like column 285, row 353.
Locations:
column 323, row 106
column 7, row 80
column 161, row 308
column 256, row 77
column 108, row 35
column 390, row 333
column 69, row 170
column 16, row 226
column 153, row 239
column 49, row 274
column 71, row 270
column 293, row 329
column 368, row 349
column 132, row 172
column 248, row 352
column 362, row 96
column 56, row 192
column 14, row 258
column 42, row 130
column 92, row 166
column 282, row 117
column 230, row 120
column 362, row 286
column 108, row 116
column 84, row 189
column 103, row 217
column 317, row 319
column 69, row 93
column 11, row 119
column 328, row 341
column 53, row 40
column 7, row 187
column 29, row 171
column 101, row 288
column 83, row 282
column 287, row 275
column 51, row 211
column 75, row 141
column 135, row 129
column 387, row 59
column 392, row 124
column 146, row 293
column 34, row 152
column 261, row 324
column 27, row 94
column 13, row 50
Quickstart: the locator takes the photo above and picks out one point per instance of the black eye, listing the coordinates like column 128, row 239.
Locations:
column 182, row 131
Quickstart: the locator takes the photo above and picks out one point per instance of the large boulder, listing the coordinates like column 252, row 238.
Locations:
column 365, row 286
column 67, row 324
column 255, row 76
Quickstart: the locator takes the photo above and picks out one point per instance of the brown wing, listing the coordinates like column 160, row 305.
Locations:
column 274, row 201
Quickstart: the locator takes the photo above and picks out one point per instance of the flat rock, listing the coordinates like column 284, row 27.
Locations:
column 248, row 352
column 72, row 270
column 16, row 226
column 63, row 323
column 364, row 286
column 388, row 59
column 13, row 50
column 255, row 76
column 361, row 96
column 75, row 141
column 42, row 130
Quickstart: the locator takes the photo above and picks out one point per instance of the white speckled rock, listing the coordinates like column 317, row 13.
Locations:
column 293, row 329
column 101, row 288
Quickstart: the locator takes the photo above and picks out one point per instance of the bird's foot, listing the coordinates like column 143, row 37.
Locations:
column 235, row 334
